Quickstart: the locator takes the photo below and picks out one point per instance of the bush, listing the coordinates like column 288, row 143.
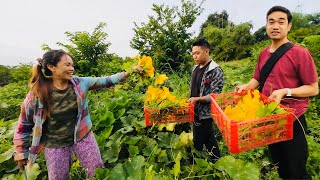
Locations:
column 11, row 97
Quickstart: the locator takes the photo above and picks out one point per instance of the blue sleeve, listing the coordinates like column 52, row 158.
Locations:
column 103, row 82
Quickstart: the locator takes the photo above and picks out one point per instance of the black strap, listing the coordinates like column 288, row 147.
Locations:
column 268, row 66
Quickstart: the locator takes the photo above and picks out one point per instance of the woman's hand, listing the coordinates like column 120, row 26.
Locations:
column 22, row 163
column 138, row 69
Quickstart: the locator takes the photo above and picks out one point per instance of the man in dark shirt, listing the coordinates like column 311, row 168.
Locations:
column 207, row 78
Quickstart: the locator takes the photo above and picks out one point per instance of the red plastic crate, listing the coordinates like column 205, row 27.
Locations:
column 250, row 134
column 169, row 115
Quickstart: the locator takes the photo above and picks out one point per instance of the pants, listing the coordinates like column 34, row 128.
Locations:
column 203, row 135
column 291, row 156
column 59, row 160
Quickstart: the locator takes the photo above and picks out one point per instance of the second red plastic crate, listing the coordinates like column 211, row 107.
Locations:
column 250, row 134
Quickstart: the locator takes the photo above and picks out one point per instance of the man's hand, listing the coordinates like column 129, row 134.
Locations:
column 277, row 95
column 241, row 88
column 193, row 100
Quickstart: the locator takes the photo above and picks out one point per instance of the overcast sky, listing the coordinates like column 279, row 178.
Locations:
column 27, row 24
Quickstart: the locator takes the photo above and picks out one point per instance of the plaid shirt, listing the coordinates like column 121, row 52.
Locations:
column 212, row 82
column 32, row 111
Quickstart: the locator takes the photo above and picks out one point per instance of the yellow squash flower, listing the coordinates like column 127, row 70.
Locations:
column 146, row 63
column 160, row 79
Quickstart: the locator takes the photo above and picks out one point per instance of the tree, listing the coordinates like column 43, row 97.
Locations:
column 5, row 75
column 230, row 43
column 299, row 21
column 261, row 34
column 314, row 19
column 166, row 38
column 219, row 20
column 21, row 72
column 313, row 45
column 89, row 51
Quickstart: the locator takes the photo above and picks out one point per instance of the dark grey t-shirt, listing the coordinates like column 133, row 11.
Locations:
column 58, row 129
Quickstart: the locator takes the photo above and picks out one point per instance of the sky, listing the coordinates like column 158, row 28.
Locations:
column 26, row 25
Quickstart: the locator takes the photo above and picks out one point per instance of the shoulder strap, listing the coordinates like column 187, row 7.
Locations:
column 267, row 68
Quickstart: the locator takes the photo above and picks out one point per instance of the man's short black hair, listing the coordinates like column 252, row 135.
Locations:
column 201, row 42
column 281, row 9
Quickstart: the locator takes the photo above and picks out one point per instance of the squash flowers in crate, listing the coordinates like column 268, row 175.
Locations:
column 163, row 107
column 250, row 120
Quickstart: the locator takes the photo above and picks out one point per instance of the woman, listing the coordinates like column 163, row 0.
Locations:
column 57, row 109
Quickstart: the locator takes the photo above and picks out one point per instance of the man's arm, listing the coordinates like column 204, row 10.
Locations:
column 302, row 91
column 216, row 84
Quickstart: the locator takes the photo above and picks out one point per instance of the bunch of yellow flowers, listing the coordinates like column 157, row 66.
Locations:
column 162, row 98
column 146, row 63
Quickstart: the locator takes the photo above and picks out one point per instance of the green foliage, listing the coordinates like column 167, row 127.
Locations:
column 5, row 75
column 112, row 65
column 232, row 42
column 236, row 73
column 166, row 38
column 219, row 20
column 31, row 173
column 313, row 165
column 314, row 19
column 240, row 170
column 21, row 73
column 298, row 35
column 89, row 51
column 312, row 43
column 300, row 21
column 11, row 97
column 7, row 164
column 261, row 34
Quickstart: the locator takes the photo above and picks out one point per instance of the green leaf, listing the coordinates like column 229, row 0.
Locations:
column 163, row 157
column 134, row 167
column 150, row 148
column 262, row 111
column 119, row 113
column 107, row 119
column 106, row 132
column 201, row 162
column 6, row 155
column 33, row 171
column 272, row 106
column 112, row 153
column 133, row 150
column 122, row 101
column 118, row 173
column 101, row 173
column 238, row 169
column 133, row 140
column 128, row 120
column 176, row 168
column 280, row 111
column 13, row 177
